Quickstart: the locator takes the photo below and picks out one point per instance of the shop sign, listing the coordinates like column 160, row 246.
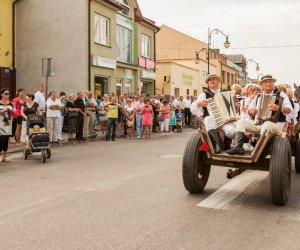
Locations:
column 146, row 63
column 104, row 62
column 142, row 62
column 147, row 74
column 187, row 79
column 150, row 64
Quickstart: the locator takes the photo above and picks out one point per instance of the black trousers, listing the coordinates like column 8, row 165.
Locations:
column 4, row 143
column 112, row 124
column 80, row 122
column 187, row 116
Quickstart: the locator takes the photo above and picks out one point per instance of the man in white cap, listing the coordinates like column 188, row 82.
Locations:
column 267, row 83
column 199, row 108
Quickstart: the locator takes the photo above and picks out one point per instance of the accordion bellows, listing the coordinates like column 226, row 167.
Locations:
column 222, row 108
column 262, row 106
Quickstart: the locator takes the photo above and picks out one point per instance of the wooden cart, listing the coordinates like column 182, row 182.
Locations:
column 272, row 153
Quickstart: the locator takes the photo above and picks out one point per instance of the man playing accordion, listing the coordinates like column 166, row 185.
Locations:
column 267, row 83
column 199, row 108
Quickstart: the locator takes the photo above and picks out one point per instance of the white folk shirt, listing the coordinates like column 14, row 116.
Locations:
column 295, row 113
column 245, row 103
column 53, row 112
column 187, row 103
column 198, row 111
column 40, row 99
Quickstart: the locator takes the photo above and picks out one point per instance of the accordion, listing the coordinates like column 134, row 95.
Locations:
column 263, row 111
column 222, row 109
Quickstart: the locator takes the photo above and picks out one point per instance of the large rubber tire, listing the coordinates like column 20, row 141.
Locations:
column 297, row 156
column 44, row 156
column 280, row 171
column 195, row 174
column 48, row 153
column 25, row 153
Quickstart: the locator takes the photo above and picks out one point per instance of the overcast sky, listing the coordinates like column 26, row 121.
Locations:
column 249, row 23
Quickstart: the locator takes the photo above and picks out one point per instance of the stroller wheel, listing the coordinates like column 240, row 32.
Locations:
column 25, row 152
column 48, row 153
column 44, row 156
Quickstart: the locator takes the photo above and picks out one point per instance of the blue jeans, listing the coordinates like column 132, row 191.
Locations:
column 139, row 124
column 112, row 124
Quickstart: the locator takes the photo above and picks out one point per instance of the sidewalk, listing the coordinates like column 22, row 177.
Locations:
column 13, row 148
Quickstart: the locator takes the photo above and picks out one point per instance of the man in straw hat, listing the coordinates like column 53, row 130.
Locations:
column 267, row 83
column 199, row 108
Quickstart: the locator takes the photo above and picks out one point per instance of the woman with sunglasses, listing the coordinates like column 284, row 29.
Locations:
column 6, row 109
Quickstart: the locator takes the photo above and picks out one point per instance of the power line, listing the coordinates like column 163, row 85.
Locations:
column 253, row 47
column 269, row 47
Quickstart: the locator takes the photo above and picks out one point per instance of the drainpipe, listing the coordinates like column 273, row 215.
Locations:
column 89, row 45
column 155, row 60
column 14, row 44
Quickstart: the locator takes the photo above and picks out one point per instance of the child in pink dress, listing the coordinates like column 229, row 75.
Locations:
column 147, row 119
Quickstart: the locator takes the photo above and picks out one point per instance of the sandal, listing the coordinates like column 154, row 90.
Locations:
column 4, row 159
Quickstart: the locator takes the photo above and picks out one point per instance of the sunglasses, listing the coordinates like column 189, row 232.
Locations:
column 6, row 93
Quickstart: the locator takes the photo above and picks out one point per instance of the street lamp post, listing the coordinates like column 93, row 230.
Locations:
column 226, row 45
column 257, row 67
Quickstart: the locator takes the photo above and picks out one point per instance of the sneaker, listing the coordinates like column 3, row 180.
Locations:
column 139, row 137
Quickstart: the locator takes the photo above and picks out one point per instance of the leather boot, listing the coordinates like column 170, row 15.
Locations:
column 239, row 141
column 227, row 143
column 215, row 140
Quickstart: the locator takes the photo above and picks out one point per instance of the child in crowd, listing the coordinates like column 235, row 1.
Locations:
column 172, row 122
column 179, row 120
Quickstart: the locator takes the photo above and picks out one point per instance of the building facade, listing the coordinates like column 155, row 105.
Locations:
column 178, row 47
column 101, row 45
column 7, row 71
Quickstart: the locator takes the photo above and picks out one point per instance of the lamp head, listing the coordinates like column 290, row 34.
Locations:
column 226, row 43
column 257, row 67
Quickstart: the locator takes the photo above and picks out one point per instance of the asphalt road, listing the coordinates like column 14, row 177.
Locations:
column 129, row 195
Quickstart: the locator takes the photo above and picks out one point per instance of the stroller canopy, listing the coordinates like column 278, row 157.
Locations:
column 36, row 120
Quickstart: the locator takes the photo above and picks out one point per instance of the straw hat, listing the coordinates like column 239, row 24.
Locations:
column 212, row 76
column 266, row 78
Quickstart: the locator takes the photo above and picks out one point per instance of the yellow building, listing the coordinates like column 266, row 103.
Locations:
column 6, row 45
column 6, row 33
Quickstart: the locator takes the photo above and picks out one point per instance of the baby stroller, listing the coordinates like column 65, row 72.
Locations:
column 38, row 138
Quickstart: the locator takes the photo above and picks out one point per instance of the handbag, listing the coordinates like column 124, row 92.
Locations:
column 130, row 123
column 72, row 114
column 160, row 118
column 102, row 112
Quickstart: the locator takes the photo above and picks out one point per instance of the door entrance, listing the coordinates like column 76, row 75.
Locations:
column 7, row 80
column 101, row 85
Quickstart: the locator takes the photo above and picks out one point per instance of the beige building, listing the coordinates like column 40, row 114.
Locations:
column 101, row 45
column 181, row 77
column 178, row 47
column 177, row 79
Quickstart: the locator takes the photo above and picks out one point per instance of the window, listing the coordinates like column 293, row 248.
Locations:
column 123, row 2
column 128, row 86
column 126, row 7
column 123, row 44
column 146, row 41
column 177, row 92
column 187, row 91
column 119, row 86
column 101, row 29
column 196, row 93
column 228, row 78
